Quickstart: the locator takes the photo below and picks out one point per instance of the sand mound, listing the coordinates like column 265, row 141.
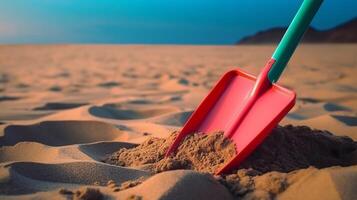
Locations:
column 25, row 151
column 179, row 184
column 150, row 151
column 263, row 175
column 204, row 153
column 286, row 149
column 329, row 183
column 289, row 148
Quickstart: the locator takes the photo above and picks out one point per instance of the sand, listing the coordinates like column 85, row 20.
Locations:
column 286, row 149
column 66, row 107
column 198, row 151
column 290, row 148
column 83, row 194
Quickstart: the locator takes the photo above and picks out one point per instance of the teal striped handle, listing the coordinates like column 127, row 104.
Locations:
column 292, row 37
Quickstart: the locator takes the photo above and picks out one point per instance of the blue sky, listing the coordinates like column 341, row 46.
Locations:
column 154, row 21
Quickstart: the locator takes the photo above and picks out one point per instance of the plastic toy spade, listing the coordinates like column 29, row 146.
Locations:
column 247, row 108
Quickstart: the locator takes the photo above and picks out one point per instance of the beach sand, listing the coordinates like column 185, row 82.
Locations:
column 65, row 108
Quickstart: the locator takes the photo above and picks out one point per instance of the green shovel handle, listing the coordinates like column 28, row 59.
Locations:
column 292, row 37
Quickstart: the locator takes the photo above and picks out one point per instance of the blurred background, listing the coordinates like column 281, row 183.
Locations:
column 166, row 22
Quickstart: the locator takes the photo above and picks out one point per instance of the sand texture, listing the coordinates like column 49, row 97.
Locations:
column 198, row 151
column 286, row 149
column 64, row 109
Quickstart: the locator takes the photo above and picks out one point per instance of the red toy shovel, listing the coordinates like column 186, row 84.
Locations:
column 247, row 108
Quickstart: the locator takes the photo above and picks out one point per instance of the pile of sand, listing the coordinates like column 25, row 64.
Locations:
column 286, row 149
column 203, row 153
column 290, row 148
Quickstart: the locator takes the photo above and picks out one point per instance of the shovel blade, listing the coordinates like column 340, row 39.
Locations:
column 226, row 100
